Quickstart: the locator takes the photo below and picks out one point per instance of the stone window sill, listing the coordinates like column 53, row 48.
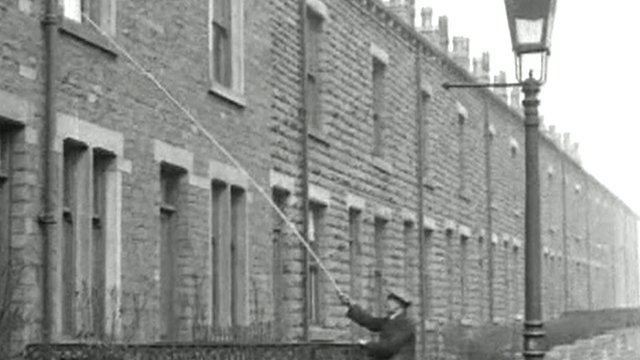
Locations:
column 228, row 95
column 382, row 164
column 87, row 35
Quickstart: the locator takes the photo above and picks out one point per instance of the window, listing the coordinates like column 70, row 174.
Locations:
column 229, row 255
column 516, row 282
column 279, row 227
column 100, row 12
column 5, row 183
column 101, row 163
column 237, row 247
column 316, row 214
column 464, row 242
column 226, row 47
column 507, row 279
column 483, row 278
column 170, row 179
column 427, row 144
column 73, row 154
column 462, row 154
column 407, row 239
column 449, row 274
column 379, row 237
column 354, row 250
column 312, row 42
column 84, row 258
column 379, row 72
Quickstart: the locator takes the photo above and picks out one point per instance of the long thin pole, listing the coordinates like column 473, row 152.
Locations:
column 489, row 184
column 421, row 102
column 533, row 330
column 47, row 217
column 305, row 168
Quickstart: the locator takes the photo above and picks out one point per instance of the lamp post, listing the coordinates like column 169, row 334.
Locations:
column 530, row 25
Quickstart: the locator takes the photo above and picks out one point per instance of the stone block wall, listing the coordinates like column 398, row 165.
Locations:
column 473, row 180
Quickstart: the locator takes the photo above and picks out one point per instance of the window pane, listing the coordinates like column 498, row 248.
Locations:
column 73, row 10
column 5, row 273
column 379, row 234
column 92, row 9
column 221, row 55
column 238, row 239
column 222, row 13
column 379, row 70
column 101, row 162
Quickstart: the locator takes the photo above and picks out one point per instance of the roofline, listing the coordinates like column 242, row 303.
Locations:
column 467, row 77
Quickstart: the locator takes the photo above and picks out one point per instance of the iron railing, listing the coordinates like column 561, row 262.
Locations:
column 298, row 351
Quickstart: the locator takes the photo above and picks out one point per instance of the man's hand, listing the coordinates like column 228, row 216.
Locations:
column 344, row 299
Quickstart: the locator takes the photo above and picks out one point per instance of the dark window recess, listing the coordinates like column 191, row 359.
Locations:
column 170, row 179
column 379, row 72
column 312, row 43
column 222, row 38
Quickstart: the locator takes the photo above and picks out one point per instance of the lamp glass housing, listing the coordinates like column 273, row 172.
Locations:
column 530, row 24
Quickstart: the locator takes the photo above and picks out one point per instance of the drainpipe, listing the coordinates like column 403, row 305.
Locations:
column 565, row 246
column 47, row 218
column 489, row 186
column 420, row 102
column 305, row 166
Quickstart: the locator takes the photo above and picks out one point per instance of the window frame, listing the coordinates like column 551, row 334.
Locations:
column 106, row 13
column 229, row 254
column 313, row 48
column 171, row 178
column 6, row 142
column 379, row 74
column 235, row 91
column 315, row 286
column 380, row 226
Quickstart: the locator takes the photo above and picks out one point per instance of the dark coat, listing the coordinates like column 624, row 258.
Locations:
column 397, row 338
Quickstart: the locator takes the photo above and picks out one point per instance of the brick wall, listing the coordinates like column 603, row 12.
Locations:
column 341, row 162
column 621, row 344
column 463, row 163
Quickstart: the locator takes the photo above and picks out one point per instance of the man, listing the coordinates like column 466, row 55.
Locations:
column 397, row 334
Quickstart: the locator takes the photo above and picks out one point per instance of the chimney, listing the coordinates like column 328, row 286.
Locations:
column 426, row 28
column 405, row 9
column 575, row 152
column 501, row 78
column 443, row 29
column 515, row 98
column 566, row 141
column 477, row 71
column 426, row 13
column 483, row 68
column 460, row 52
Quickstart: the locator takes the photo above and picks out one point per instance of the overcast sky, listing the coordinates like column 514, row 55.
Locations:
column 593, row 77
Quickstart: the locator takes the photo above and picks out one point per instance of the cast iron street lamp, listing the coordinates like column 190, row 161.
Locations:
column 530, row 24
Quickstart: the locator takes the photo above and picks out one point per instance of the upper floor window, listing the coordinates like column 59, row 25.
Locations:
column 226, row 45
column 313, row 35
column 379, row 71
column 315, row 288
column 5, row 217
column 100, row 12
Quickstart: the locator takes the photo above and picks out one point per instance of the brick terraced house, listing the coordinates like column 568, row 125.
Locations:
column 120, row 219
